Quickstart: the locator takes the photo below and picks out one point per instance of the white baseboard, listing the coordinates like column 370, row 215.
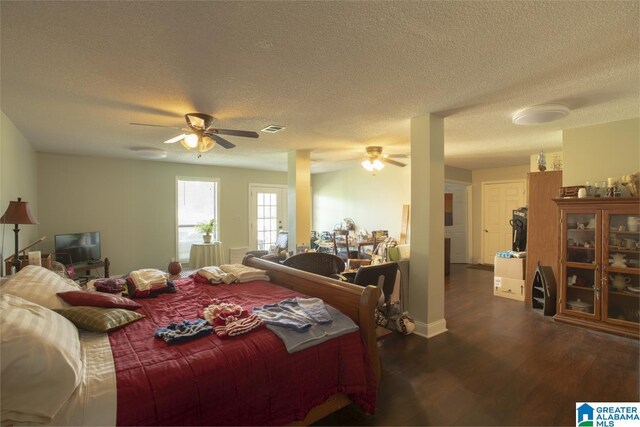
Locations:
column 430, row 330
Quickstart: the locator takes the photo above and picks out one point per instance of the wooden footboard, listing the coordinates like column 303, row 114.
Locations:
column 355, row 301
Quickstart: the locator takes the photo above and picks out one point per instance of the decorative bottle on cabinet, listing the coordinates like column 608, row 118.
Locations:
column 600, row 264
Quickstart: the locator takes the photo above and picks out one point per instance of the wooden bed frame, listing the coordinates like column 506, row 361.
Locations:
column 355, row 301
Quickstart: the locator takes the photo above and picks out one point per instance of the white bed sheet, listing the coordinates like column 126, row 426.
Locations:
column 94, row 402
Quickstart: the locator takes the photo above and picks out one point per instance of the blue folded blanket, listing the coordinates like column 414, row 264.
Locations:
column 186, row 330
column 316, row 333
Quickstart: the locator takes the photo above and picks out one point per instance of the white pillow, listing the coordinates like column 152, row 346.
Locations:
column 404, row 251
column 39, row 285
column 41, row 364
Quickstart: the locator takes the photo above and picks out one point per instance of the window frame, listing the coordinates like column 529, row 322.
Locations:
column 216, row 210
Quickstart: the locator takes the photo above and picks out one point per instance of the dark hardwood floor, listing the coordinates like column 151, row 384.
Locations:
column 500, row 363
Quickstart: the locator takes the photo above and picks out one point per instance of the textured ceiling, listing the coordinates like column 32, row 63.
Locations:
column 340, row 75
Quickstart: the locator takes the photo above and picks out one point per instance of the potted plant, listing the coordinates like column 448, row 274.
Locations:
column 206, row 227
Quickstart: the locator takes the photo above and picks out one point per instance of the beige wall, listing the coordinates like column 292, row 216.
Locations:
column 594, row 153
column 484, row 175
column 132, row 204
column 372, row 201
column 457, row 175
column 18, row 178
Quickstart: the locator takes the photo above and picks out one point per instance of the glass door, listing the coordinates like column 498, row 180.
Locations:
column 267, row 216
column 621, row 267
column 581, row 275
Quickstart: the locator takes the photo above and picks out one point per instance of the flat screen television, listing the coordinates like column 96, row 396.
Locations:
column 78, row 248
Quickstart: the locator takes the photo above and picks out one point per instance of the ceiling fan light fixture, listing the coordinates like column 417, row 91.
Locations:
column 539, row 114
column 191, row 140
column 205, row 144
column 368, row 165
column 372, row 165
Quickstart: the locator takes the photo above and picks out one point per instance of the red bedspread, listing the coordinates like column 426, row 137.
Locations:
column 244, row 380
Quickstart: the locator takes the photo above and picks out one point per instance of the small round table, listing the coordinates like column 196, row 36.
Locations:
column 205, row 255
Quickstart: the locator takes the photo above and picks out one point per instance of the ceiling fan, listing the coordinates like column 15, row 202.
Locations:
column 375, row 159
column 200, row 135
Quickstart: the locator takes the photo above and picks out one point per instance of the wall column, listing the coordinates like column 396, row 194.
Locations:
column 426, row 277
column 299, row 197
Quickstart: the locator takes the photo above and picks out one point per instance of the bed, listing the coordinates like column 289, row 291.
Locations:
column 128, row 377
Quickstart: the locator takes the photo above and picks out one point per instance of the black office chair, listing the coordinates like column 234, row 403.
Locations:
column 371, row 275
column 321, row 263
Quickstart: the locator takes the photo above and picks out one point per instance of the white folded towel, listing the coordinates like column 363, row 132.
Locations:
column 146, row 278
column 243, row 274
column 215, row 275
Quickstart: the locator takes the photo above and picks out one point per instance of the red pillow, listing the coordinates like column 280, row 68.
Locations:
column 97, row 299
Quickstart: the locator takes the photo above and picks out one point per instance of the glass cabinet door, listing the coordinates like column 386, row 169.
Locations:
column 621, row 267
column 581, row 273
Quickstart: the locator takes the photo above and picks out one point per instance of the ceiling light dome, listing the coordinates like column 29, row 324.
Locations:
column 540, row 114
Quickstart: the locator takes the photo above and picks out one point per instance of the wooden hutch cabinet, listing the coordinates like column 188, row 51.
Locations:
column 599, row 284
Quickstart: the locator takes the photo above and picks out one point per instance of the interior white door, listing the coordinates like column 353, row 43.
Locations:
column 458, row 231
column 267, row 214
column 498, row 202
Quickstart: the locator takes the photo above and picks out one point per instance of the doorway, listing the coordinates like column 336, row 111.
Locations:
column 267, row 214
column 499, row 199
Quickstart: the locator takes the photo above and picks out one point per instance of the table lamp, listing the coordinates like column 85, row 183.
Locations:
column 17, row 213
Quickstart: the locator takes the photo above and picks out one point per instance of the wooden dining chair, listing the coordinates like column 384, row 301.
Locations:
column 341, row 244
column 378, row 236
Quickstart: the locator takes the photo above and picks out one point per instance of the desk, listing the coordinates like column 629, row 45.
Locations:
column 205, row 255
column 86, row 267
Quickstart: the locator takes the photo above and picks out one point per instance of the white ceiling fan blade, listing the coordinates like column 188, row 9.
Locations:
column 175, row 139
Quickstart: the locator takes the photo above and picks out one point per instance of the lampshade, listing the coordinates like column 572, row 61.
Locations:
column 18, row 213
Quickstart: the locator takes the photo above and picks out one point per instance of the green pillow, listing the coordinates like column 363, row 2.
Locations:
column 98, row 319
column 393, row 253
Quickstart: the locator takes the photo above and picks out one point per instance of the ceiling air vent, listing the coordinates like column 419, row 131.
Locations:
column 273, row 128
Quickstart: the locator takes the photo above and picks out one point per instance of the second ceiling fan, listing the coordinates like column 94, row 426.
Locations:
column 375, row 159
column 200, row 135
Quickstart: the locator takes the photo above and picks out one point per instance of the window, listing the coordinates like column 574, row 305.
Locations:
column 196, row 201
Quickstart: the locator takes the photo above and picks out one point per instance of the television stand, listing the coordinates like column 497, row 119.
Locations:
column 87, row 267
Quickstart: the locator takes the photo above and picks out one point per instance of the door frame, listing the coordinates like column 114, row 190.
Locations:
column 251, row 216
column 482, row 200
